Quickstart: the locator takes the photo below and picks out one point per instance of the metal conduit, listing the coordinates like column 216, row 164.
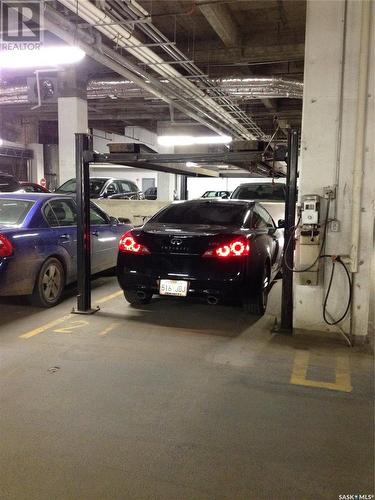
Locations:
column 122, row 88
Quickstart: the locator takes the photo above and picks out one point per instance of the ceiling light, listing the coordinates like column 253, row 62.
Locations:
column 191, row 164
column 44, row 57
column 189, row 140
column 1, row 142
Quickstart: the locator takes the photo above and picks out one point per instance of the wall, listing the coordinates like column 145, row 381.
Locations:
column 135, row 210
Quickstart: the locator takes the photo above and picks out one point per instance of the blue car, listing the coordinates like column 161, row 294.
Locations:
column 38, row 244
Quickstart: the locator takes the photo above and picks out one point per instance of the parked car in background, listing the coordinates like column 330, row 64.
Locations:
column 217, row 249
column 216, row 194
column 8, row 183
column 106, row 187
column 32, row 187
column 151, row 193
column 270, row 194
column 38, row 244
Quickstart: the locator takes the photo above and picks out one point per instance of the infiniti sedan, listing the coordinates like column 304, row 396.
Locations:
column 38, row 244
column 216, row 249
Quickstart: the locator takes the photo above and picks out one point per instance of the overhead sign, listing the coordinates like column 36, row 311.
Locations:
column 21, row 25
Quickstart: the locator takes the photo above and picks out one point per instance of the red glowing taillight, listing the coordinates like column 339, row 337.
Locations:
column 129, row 244
column 6, row 247
column 238, row 247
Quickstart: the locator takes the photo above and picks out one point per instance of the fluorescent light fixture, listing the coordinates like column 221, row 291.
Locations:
column 41, row 58
column 1, row 142
column 191, row 164
column 189, row 140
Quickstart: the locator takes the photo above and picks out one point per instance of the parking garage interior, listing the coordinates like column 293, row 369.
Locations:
column 200, row 396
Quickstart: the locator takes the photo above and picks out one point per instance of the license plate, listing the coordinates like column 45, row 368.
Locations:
column 178, row 288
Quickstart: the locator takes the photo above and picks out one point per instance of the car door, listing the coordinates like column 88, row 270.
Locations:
column 273, row 239
column 105, row 236
column 61, row 216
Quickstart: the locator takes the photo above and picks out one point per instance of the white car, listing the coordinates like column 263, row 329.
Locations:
column 270, row 194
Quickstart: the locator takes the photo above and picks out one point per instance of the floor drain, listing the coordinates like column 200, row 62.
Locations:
column 53, row 369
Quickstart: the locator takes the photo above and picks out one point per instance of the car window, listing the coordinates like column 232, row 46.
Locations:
column 206, row 212
column 260, row 191
column 13, row 212
column 257, row 222
column 265, row 215
column 96, row 216
column 68, row 187
column 96, row 185
column 127, row 186
column 112, row 188
column 8, row 184
column 60, row 213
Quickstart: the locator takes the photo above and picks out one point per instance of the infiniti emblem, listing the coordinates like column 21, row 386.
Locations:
column 176, row 241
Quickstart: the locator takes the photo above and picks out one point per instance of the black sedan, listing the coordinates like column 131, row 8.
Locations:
column 217, row 249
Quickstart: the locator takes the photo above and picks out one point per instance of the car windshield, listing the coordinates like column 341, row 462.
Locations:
column 269, row 191
column 96, row 185
column 13, row 212
column 8, row 185
column 206, row 213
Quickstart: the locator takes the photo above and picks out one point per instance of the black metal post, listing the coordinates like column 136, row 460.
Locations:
column 183, row 188
column 83, row 146
column 286, row 325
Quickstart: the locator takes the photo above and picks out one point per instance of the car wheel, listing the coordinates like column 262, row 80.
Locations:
column 256, row 304
column 133, row 298
column 49, row 284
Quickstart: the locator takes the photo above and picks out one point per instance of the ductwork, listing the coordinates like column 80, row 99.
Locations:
column 246, row 88
column 257, row 88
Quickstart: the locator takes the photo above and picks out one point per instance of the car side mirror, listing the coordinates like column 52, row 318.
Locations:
column 281, row 223
column 113, row 220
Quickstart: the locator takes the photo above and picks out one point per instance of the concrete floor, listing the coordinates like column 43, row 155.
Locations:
column 178, row 400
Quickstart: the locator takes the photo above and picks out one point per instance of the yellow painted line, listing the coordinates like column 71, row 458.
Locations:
column 110, row 297
column 52, row 324
column 44, row 327
column 72, row 326
column 109, row 328
column 343, row 379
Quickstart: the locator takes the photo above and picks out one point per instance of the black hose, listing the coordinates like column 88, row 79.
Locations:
column 334, row 261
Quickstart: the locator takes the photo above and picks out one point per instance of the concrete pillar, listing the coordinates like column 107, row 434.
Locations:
column 327, row 156
column 37, row 163
column 72, row 118
column 166, row 183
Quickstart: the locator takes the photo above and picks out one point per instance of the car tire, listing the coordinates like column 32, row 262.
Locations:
column 49, row 284
column 256, row 304
column 133, row 299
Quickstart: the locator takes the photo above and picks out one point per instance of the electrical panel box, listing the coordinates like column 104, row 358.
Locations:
column 310, row 210
column 309, row 241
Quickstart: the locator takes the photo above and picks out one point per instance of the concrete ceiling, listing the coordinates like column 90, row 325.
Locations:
column 224, row 38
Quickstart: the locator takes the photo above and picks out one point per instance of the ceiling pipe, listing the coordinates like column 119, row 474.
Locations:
column 255, row 88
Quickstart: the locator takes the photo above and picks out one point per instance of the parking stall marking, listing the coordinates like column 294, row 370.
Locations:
column 107, row 298
column 49, row 326
column 343, row 379
column 43, row 328
column 109, row 328
column 72, row 326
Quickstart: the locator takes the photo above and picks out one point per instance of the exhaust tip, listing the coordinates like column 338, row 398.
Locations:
column 212, row 300
column 141, row 294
